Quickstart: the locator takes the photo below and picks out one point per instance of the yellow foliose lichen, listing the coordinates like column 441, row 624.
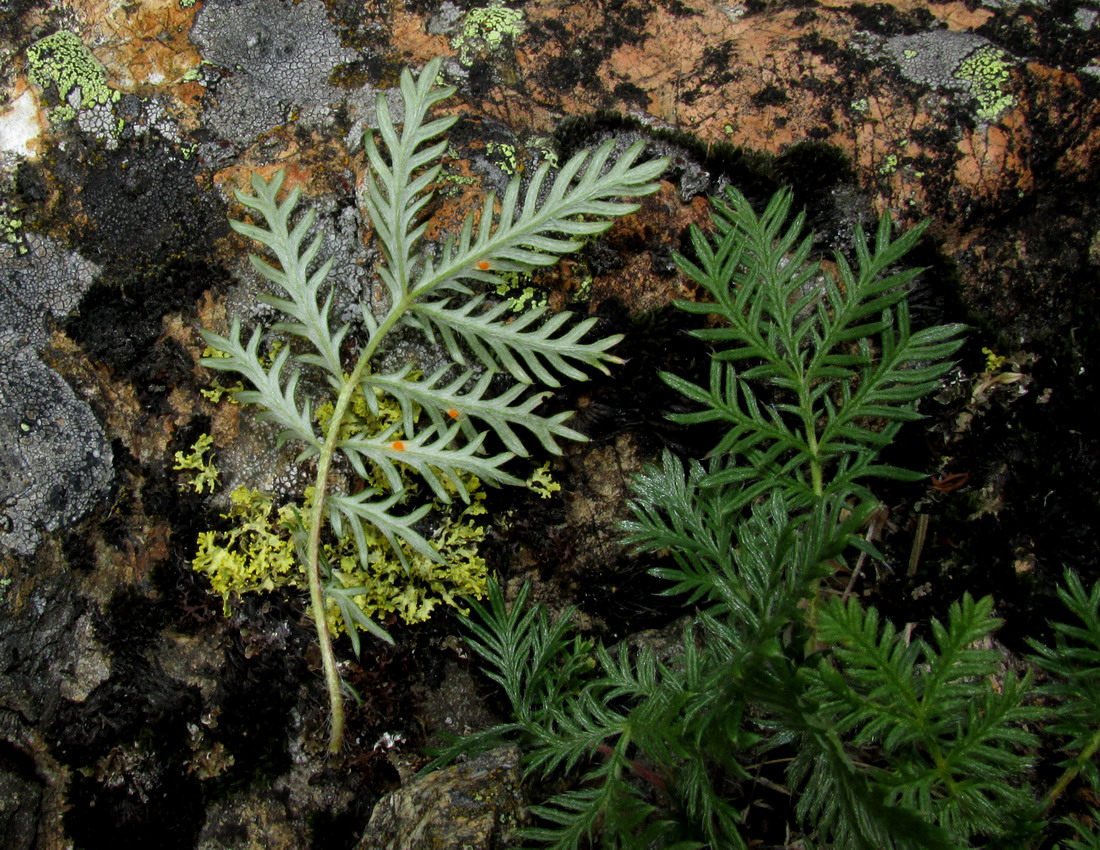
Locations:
column 542, row 482
column 258, row 554
column 411, row 587
column 255, row 554
column 206, row 474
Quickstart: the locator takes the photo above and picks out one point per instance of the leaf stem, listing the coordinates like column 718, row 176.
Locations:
column 1071, row 772
column 320, row 494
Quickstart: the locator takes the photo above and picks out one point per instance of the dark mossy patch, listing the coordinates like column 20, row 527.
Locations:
column 1056, row 37
column 142, row 202
column 719, row 64
column 886, row 19
column 144, row 802
column 630, row 94
column 770, row 95
column 259, row 686
column 119, row 322
column 127, row 742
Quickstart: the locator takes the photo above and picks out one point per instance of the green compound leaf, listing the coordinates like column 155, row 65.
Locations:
column 1074, row 663
column 432, row 454
column 311, row 320
column 812, row 370
column 529, row 351
column 278, row 399
column 465, row 399
column 348, row 513
column 429, row 289
column 954, row 746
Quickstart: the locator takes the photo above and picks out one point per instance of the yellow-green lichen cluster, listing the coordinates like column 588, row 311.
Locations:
column 412, row 590
column 487, row 30
column 255, row 554
column 64, row 61
column 987, row 70
column 258, row 552
column 993, row 360
column 205, row 472
column 542, row 483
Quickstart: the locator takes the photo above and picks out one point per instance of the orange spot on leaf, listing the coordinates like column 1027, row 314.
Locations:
column 397, row 446
column 483, row 265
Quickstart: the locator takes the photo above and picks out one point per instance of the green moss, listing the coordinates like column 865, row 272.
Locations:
column 64, row 61
column 987, row 70
column 488, row 30
column 206, row 474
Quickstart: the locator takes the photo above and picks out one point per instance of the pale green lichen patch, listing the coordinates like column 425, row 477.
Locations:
column 11, row 228
column 504, row 155
column 64, row 61
column 957, row 61
column 488, row 30
column 987, row 70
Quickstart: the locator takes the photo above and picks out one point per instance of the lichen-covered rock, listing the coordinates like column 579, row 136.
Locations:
column 250, row 821
column 56, row 458
column 39, row 279
column 278, row 56
column 471, row 806
column 54, row 452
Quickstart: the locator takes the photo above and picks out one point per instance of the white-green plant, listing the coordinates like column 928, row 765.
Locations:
column 431, row 289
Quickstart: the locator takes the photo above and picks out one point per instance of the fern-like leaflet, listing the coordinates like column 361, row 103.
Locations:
column 952, row 746
column 536, row 224
column 1075, row 662
column 811, row 375
column 830, row 366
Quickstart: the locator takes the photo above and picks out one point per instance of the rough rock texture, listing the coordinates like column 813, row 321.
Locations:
column 55, row 455
column 130, row 708
column 477, row 804
column 276, row 58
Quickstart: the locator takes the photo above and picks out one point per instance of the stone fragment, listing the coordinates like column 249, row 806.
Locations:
column 472, row 806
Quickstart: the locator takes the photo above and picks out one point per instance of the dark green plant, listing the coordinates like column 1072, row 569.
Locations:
column 890, row 739
column 1074, row 664
column 446, row 415
column 812, row 374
